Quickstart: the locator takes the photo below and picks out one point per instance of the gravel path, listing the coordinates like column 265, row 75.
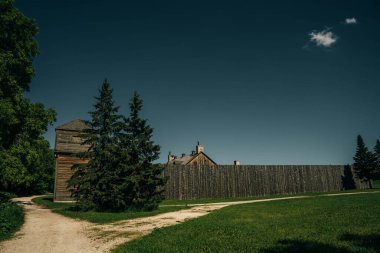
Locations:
column 48, row 232
column 45, row 231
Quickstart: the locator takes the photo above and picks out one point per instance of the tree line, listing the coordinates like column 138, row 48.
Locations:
column 366, row 162
column 26, row 161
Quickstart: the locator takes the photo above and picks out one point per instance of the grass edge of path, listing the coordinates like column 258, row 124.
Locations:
column 12, row 217
column 99, row 217
column 221, row 227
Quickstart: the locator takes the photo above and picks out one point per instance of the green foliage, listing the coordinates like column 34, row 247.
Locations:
column 11, row 219
column 6, row 196
column 141, row 152
column 69, row 210
column 11, row 216
column 377, row 154
column 18, row 47
column 27, row 167
column 365, row 165
column 119, row 175
column 26, row 162
column 376, row 184
column 342, row 224
column 94, row 185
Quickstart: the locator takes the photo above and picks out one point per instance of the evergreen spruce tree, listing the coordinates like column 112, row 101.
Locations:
column 94, row 185
column 145, row 177
column 377, row 154
column 365, row 162
column 120, row 174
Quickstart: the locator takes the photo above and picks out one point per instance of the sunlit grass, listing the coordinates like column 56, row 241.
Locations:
column 342, row 224
column 376, row 184
column 217, row 200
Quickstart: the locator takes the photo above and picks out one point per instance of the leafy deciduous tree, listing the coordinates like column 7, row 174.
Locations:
column 26, row 162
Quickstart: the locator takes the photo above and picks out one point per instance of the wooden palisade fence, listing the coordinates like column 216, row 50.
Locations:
column 225, row 181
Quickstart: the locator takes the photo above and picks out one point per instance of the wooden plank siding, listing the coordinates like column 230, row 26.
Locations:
column 69, row 141
column 201, row 159
column 229, row 181
column 64, row 172
column 68, row 144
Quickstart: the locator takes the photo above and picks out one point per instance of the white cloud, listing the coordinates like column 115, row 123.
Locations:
column 323, row 38
column 350, row 21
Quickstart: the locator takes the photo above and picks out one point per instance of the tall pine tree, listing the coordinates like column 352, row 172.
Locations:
column 377, row 154
column 120, row 174
column 147, row 177
column 365, row 162
column 93, row 184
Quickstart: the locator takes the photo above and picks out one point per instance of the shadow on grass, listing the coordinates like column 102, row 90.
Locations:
column 48, row 202
column 370, row 242
column 299, row 246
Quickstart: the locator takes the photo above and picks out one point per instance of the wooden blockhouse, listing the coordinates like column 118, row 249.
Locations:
column 68, row 143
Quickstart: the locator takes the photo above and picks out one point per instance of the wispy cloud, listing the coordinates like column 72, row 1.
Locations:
column 350, row 21
column 324, row 38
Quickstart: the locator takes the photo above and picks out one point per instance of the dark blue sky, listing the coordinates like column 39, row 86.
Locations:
column 263, row 82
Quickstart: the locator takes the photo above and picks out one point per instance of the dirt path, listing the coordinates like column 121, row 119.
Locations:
column 47, row 232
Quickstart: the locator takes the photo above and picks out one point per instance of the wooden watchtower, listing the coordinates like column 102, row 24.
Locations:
column 68, row 143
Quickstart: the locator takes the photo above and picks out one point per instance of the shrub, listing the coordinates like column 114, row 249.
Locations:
column 11, row 219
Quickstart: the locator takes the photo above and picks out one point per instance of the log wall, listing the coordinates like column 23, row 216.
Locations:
column 229, row 181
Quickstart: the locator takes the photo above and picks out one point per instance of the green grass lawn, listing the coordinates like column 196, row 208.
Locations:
column 11, row 219
column 217, row 200
column 344, row 224
column 165, row 206
column 376, row 184
column 99, row 217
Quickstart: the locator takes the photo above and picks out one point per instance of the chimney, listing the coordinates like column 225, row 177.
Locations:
column 170, row 157
column 236, row 162
column 199, row 148
column 183, row 155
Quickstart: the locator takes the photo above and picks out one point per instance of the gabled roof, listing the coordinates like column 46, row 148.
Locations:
column 184, row 160
column 74, row 125
column 204, row 155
